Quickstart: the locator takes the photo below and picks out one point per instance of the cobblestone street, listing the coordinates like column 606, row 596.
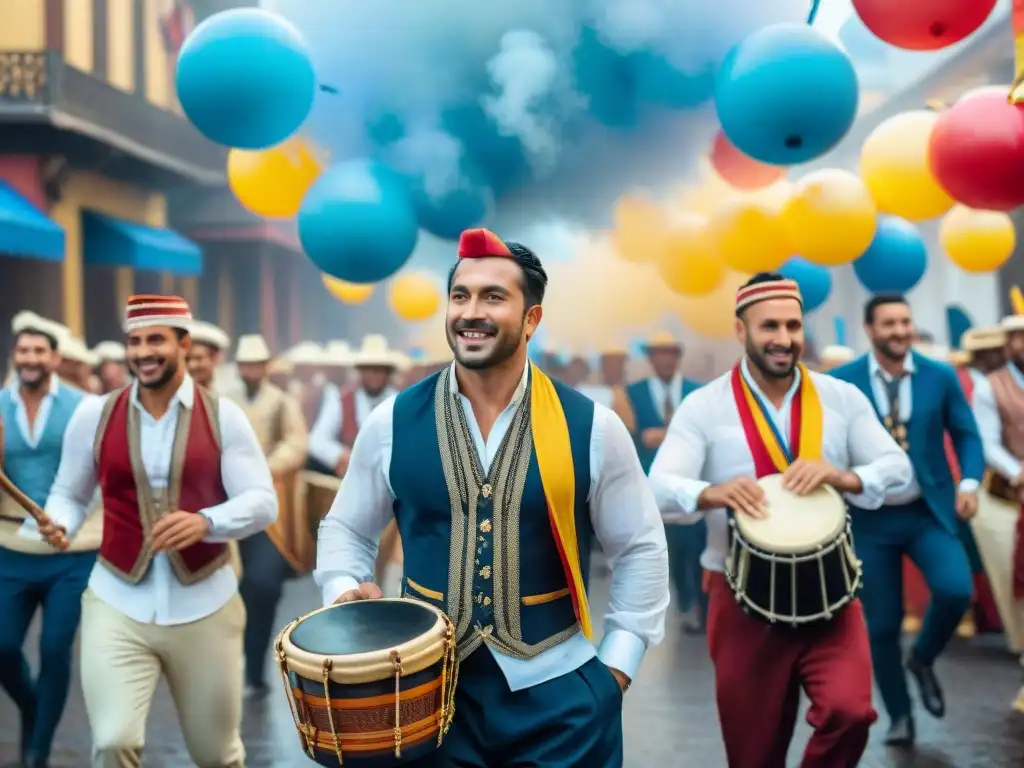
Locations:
column 670, row 717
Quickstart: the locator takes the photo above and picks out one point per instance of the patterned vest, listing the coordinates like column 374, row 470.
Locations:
column 481, row 547
column 1010, row 402
column 131, row 507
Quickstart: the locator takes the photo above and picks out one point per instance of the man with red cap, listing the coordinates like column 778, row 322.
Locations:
column 499, row 479
column 181, row 473
column 770, row 415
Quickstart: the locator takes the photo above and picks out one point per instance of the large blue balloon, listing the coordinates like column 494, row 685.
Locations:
column 814, row 280
column 358, row 222
column 245, row 78
column 786, row 94
column 896, row 260
column 462, row 203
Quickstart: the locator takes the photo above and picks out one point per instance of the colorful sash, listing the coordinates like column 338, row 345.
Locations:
column 771, row 453
column 558, row 476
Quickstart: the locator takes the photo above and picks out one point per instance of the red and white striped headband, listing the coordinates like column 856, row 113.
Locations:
column 774, row 289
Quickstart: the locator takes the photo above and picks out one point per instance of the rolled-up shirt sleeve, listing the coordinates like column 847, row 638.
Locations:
column 74, row 488
column 350, row 533
column 676, row 471
column 875, row 458
column 990, row 427
column 627, row 525
column 251, row 505
column 324, row 445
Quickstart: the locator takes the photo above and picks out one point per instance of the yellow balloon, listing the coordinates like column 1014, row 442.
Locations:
column 347, row 293
column 748, row 236
column 639, row 228
column 689, row 265
column 713, row 316
column 977, row 241
column 272, row 182
column 414, row 297
column 830, row 217
column 894, row 165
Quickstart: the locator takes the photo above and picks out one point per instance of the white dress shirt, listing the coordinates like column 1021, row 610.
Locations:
column 705, row 445
column 661, row 390
column 912, row 491
column 599, row 393
column 251, row 506
column 990, row 425
column 324, row 445
column 622, row 510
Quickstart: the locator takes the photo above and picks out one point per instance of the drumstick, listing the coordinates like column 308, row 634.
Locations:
column 58, row 540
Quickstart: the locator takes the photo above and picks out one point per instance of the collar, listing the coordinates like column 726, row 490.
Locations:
column 874, row 367
column 745, row 370
column 15, row 385
column 453, row 384
column 185, row 396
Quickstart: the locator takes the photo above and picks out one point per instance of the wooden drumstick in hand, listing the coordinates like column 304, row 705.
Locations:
column 54, row 534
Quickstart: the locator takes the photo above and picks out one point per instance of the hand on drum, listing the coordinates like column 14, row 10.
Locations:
column 803, row 477
column 365, row 591
column 741, row 494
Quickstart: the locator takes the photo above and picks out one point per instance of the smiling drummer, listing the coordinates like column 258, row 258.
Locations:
column 770, row 415
column 499, row 479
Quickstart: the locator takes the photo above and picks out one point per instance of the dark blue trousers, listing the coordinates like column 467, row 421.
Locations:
column 882, row 538
column 264, row 571
column 685, row 545
column 573, row 721
column 54, row 583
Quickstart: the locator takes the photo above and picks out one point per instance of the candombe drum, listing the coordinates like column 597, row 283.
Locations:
column 797, row 566
column 370, row 682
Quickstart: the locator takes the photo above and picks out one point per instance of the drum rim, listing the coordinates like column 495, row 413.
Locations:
column 741, row 521
column 416, row 654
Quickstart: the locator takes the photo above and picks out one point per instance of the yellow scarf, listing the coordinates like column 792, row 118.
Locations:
column 811, row 422
column 558, row 476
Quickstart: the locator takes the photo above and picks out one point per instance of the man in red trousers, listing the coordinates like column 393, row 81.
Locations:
column 715, row 449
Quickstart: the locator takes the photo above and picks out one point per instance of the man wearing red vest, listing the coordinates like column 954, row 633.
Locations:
column 181, row 473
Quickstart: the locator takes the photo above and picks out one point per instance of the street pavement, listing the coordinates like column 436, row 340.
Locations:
column 669, row 717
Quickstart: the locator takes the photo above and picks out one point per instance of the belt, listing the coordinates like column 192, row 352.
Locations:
column 12, row 519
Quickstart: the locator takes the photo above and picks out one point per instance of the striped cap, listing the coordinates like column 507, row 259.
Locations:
column 770, row 289
column 149, row 310
column 481, row 243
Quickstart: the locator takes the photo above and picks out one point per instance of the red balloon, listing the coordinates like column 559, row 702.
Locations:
column 923, row 25
column 739, row 170
column 976, row 151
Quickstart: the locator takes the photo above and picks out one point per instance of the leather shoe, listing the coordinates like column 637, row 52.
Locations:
column 32, row 760
column 901, row 733
column 928, row 686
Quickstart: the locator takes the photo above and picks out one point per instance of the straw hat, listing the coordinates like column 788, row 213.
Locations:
column 1012, row 323
column 662, row 340
column 978, row 339
column 934, row 351
column 24, row 321
column 374, row 351
column 210, row 335
column 280, row 366
column 305, row 353
column 75, row 350
column 252, row 348
column 110, row 352
column 837, row 354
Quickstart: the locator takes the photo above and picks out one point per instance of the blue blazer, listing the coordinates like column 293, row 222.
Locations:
column 938, row 405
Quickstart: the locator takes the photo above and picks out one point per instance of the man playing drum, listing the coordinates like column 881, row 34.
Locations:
column 770, row 415
column 499, row 479
column 180, row 472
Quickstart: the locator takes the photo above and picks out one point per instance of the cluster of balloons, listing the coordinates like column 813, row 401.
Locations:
column 245, row 79
column 412, row 296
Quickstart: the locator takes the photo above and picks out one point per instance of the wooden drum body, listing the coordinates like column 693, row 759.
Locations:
column 370, row 682
column 798, row 566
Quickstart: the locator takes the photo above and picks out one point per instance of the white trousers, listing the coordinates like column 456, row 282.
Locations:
column 122, row 661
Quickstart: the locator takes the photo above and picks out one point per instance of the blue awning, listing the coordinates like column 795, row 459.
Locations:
column 27, row 231
column 111, row 242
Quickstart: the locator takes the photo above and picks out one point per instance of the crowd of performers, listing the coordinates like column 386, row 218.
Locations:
column 178, row 502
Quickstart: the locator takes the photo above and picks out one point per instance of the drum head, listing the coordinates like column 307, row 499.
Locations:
column 363, row 626
column 795, row 524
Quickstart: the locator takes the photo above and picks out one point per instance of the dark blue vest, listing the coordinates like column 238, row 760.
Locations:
column 648, row 415
column 483, row 552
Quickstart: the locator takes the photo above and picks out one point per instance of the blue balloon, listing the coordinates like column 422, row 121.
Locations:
column 815, row 281
column 786, row 94
column 658, row 81
column 896, row 260
column 245, row 78
column 462, row 203
column 358, row 223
